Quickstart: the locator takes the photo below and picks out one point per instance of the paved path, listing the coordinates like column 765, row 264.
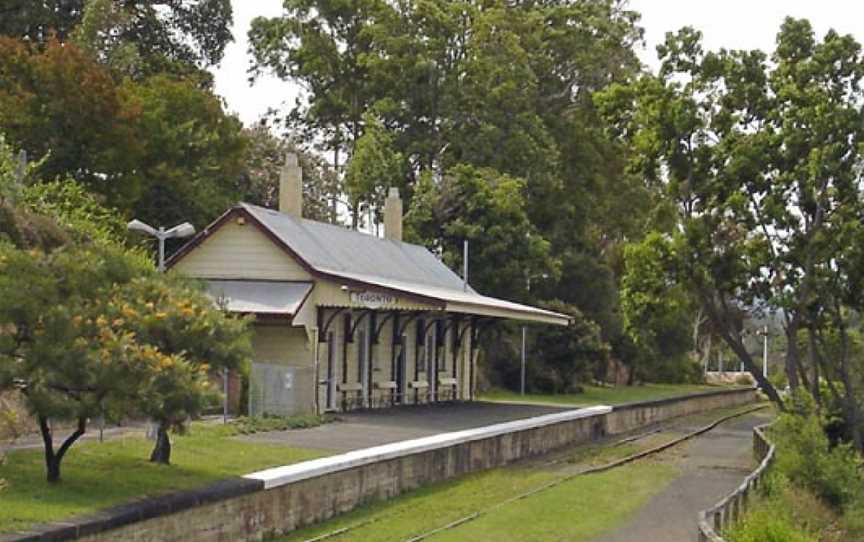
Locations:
column 712, row 465
column 357, row 430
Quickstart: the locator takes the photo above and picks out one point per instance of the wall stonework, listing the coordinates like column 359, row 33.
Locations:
column 258, row 514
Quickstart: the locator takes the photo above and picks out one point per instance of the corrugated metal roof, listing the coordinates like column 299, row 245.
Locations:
column 259, row 296
column 337, row 250
column 405, row 267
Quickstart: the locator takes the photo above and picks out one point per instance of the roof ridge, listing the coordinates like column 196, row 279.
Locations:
column 329, row 225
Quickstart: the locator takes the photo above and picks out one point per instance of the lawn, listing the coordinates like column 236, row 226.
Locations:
column 99, row 475
column 596, row 395
column 578, row 509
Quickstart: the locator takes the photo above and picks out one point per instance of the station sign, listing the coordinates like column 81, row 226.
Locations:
column 372, row 300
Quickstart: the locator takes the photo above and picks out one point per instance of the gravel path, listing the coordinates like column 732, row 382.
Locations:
column 711, row 465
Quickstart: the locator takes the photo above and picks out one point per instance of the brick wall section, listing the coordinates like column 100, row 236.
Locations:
column 251, row 513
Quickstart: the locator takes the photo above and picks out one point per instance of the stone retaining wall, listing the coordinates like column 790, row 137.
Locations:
column 284, row 499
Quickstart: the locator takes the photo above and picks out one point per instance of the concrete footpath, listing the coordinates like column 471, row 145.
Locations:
column 364, row 429
column 711, row 465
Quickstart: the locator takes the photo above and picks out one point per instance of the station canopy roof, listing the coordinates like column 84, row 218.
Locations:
column 355, row 258
column 259, row 296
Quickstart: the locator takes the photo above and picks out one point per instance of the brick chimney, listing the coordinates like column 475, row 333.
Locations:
column 393, row 215
column 291, row 187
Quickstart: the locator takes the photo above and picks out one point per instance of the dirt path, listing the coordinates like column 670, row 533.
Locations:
column 711, row 466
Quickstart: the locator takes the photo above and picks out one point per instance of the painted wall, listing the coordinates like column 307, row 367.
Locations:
column 237, row 251
column 241, row 251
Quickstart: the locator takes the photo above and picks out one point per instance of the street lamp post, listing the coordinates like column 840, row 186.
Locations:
column 161, row 234
column 523, row 372
column 764, row 333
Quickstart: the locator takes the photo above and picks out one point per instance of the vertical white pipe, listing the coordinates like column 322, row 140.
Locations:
column 465, row 265
column 161, row 238
column 522, row 379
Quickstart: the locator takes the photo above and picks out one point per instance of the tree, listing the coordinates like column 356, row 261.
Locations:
column 67, row 112
column 498, row 86
column 375, row 166
column 88, row 328
column 487, row 209
column 160, row 149
column 259, row 182
column 762, row 162
column 324, row 46
column 172, row 317
column 100, row 34
column 191, row 153
column 568, row 355
column 167, row 34
column 656, row 311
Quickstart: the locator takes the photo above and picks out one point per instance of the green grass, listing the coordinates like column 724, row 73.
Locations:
column 596, row 395
column 599, row 501
column 577, row 510
column 99, row 475
column 788, row 514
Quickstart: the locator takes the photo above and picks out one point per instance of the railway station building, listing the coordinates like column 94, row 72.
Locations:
column 343, row 319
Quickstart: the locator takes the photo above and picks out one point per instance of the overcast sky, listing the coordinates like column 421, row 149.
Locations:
column 734, row 24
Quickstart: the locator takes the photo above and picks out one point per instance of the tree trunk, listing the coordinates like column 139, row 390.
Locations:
column 850, row 403
column 763, row 382
column 720, row 323
column 814, row 361
column 53, row 459
column 792, row 352
column 162, row 451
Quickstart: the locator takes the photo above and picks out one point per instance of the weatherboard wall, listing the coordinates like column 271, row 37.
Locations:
column 304, row 494
column 240, row 251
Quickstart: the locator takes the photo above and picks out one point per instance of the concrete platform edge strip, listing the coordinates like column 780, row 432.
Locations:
column 280, row 476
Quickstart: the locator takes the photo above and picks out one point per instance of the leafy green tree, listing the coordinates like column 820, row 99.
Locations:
column 81, row 338
column 495, row 85
column 762, row 162
column 191, row 153
column 160, row 149
column 259, row 182
column 487, row 209
column 375, row 166
column 569, row 355
column 88, row 328
column 656, row 310
column 168, row 34
column 171, row 317
column 100, row 34
column 323, row 46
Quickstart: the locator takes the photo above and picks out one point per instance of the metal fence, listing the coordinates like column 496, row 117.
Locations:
column 713, row 520
column 280, row 390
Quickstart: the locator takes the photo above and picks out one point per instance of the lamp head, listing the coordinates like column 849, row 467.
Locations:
column 137, row 225
column 181, row 230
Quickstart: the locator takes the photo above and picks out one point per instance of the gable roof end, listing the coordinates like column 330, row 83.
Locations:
column 340, row 254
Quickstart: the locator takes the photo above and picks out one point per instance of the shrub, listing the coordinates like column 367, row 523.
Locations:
column 249, row 426
column 785, row 513
column 806, row 457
